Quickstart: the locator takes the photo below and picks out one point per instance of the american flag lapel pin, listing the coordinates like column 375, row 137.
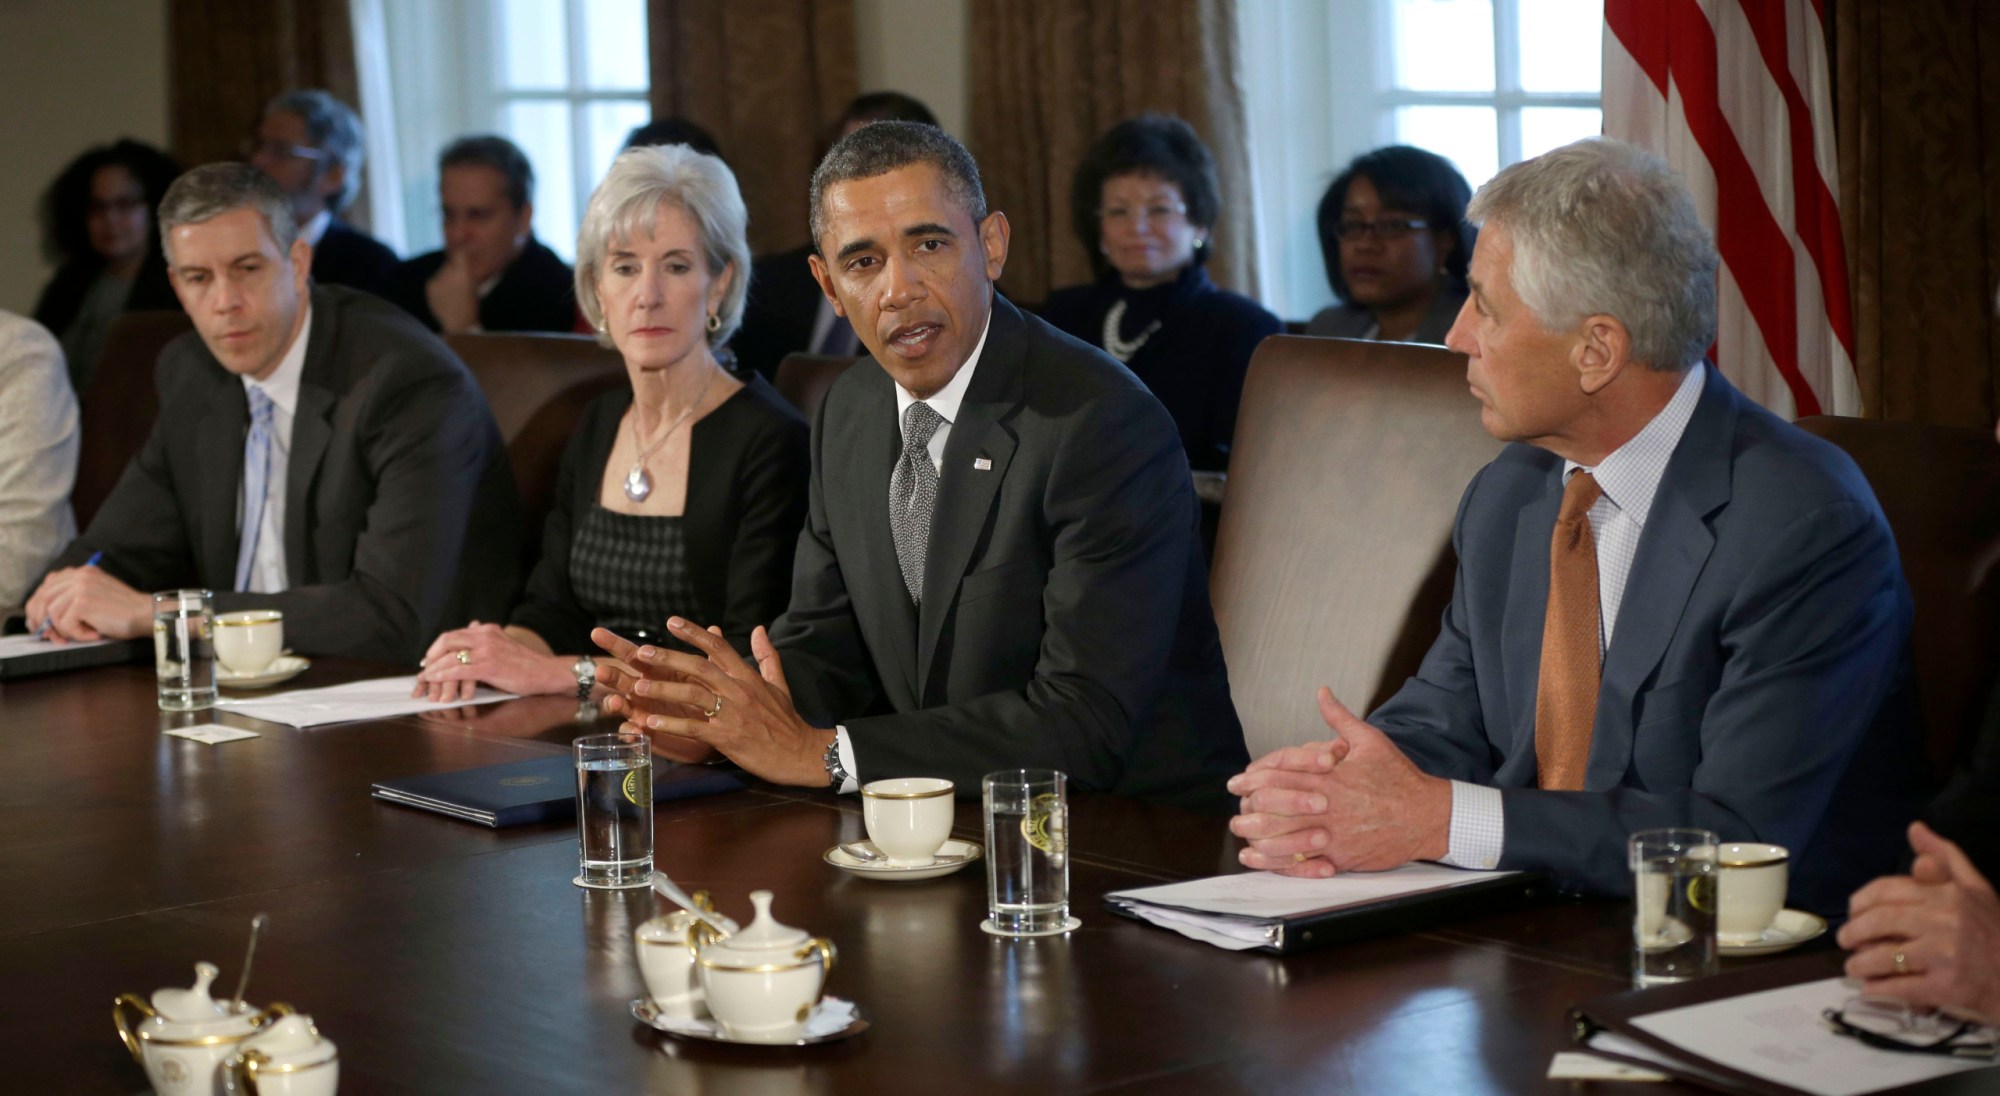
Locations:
column 981, row 464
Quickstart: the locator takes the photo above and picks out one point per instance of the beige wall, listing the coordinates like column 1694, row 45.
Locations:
column 73, row 73
column 917, row 47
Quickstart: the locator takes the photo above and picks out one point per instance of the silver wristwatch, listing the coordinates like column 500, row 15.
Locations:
column 836, row 773
column 585, row 670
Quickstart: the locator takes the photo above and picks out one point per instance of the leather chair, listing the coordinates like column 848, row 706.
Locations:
column 117, row 407
column 537, row 386
column 804, row 378
column 1333, row 563
column 1940, row 489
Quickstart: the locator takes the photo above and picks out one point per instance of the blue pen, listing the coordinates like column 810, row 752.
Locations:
column 49, row 622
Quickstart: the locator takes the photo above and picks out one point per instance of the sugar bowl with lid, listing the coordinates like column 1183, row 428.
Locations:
column 184, row 1035
column 762, row 982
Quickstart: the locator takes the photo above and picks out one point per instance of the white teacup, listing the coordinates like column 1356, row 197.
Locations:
column 1751, row 883
column 908, row 817
column 247, row 642
column 762, row 983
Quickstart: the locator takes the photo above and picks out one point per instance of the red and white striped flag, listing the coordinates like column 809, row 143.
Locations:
column 1735, row 94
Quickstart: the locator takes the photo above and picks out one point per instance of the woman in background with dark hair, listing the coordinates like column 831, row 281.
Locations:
column 1144, row 205
column 97, row 225
column 1392, row 228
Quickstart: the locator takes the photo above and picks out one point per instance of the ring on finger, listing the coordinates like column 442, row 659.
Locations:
column 1900, row 962
column 714, row 709
column 464, row 657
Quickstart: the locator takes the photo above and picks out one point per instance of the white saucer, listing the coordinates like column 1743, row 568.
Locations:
column 709, row 1031
column 282, row 668
column 1790, row 929
column 951, row 856
column 1069, row 924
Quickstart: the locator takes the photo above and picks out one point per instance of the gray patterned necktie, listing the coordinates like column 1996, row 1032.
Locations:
column 913, row 490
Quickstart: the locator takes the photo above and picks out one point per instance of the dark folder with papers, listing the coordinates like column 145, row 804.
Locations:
column 1624, row 1027
column 538, row 790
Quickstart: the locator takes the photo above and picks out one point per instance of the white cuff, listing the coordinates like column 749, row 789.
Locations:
column 851, row 785
column 1478, row 827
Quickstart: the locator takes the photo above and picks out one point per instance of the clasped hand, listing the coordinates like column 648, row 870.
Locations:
column 718, row 699
column 1931, row 937
column 82, row 604
column 1352, row 803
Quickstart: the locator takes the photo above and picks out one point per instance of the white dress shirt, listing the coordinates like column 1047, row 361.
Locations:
column 267, row 566
column 314, row 229
column 1630, row 477
column 945, row 402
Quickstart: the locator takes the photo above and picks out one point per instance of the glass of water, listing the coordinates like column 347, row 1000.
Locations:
column 1674, row 899
column 614, row 811
column 1027, row 853
column 184, row 649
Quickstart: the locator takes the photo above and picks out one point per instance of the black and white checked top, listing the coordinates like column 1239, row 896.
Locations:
column 630, row 573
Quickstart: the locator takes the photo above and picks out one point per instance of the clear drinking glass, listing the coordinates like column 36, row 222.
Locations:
column 184, row 649
column 1027, row 853
column 614, row 811
column 1674, row 904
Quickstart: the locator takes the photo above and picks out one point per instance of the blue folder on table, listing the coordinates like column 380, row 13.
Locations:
column 539, row 790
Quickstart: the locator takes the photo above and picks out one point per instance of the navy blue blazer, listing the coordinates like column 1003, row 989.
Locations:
column 1757, row 682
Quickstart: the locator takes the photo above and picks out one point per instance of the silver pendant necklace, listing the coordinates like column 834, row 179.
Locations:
column 1123, row 349
column 638, row 482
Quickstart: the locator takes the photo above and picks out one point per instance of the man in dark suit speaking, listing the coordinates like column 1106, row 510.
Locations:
column 1672, row 608
column 316, row 451
column 1000, row 567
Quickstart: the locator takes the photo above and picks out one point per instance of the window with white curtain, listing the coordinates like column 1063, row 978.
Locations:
column 1483, row 83
column 563, row 79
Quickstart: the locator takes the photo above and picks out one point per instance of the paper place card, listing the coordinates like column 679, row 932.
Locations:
column 1574, row 1065
column 213, row 733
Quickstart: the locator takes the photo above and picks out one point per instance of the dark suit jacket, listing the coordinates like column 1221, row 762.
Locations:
column 350, row 257
column 1065, row 619
column 778, row 314
column 1194, row 363
column 1757, row 682
column 400, row 513
column 536, row 293
column 1968, row 810
column 746, row 500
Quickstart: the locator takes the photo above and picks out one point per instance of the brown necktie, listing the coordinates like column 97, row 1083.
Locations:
column 1566, row 696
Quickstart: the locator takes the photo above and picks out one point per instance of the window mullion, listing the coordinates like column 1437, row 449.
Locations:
column 1507, row 77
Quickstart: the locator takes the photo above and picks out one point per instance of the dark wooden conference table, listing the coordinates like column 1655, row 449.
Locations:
column 445, row 957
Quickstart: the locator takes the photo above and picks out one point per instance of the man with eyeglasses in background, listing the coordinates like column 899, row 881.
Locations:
column 309, row 143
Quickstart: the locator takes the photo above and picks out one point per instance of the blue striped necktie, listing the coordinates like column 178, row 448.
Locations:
column 256, row 483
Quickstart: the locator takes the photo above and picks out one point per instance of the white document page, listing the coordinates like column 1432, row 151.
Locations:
column 1778, row 1035
column 1262, row 894
column 15, row 646
column 380, row 698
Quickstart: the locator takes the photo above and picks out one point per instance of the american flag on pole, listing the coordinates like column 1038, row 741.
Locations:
column 1735, row 94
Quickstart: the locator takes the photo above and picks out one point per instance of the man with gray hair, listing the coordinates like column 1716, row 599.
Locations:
column 316, row 451
column 310, row 144
column 1672, row 608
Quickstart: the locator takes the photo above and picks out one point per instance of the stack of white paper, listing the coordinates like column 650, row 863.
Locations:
column 1245, row 911
column 381, row 698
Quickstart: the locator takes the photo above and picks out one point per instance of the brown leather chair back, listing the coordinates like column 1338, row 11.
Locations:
column 117, row 407
column 537, row 386
column 1940, row 489
column 804, row 379
column 1333, row 564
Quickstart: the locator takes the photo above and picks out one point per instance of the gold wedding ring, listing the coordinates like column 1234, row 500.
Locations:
column 714, row 709
column 1898, row 962
column 464, row 657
